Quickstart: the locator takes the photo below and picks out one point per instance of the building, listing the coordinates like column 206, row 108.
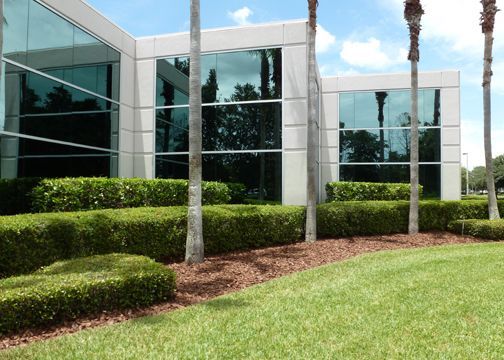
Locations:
column 82, row 97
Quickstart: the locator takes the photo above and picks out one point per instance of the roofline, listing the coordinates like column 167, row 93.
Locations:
column 108, row 19
column 389, row 73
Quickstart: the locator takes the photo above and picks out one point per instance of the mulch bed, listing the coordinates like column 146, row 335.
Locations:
column 231, row 272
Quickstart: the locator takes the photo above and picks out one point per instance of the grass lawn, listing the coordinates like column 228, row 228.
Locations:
column 442, row 302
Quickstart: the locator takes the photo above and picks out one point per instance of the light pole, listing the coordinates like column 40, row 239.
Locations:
column 467, row 172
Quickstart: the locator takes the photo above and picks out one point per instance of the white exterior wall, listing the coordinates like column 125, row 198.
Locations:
column 447, row 81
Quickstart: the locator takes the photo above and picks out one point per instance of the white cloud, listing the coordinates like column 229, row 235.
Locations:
column 241, row 16
column 455, row 23
column 472, row 142
column 371, row 54
column 325, row 40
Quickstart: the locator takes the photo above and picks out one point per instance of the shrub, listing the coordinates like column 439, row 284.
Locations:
column 76, row 194
column 485, row 229
column 68, row 289
column 363, row 191
column 237, row 193
column 384, row 217
column 15, row 195
column 28, row 242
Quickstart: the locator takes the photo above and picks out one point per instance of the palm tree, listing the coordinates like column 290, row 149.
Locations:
column 413, row 14
column 487, row 25
column 194, row 243
column 311, row 194
column 381, row 96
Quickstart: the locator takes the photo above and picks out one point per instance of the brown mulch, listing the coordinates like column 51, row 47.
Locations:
column 231, row 272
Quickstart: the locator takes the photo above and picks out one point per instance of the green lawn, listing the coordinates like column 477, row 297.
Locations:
column 442, row 302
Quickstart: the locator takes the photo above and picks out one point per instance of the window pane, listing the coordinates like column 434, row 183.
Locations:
column 261, row 173
column 370, row 146
column 430, row 176
column 347, row 111
column 226, row 77
column 30, row 158
column 431, row 108
column 42, row 40
column 366, row 110
column 42, row 107
column 399, row 108
column 225, row 127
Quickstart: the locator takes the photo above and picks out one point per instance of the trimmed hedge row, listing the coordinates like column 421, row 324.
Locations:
column 484, row 229
column 364, row 191
column 77, row 194
column 68, row 289
column 383, row 217
column 15, row 195
column 30, row 241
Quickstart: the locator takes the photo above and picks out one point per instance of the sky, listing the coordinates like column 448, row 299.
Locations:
column 359, row 37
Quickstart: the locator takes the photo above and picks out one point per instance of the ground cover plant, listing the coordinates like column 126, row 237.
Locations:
column 440, row 302
column 68, row 289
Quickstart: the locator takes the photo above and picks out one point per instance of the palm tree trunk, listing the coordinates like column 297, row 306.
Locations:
column 413, row 213
column 311, row 156
column 194, row 243
column 493, row 210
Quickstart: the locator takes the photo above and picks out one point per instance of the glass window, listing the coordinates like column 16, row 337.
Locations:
column 225, row 127
column 261, row 173
column 42, row 40
column 431, row 108
column 21, row 157
column 399, row 108
column 430, row 176
column 366, row 110
column 347, row 111
column 226, row 77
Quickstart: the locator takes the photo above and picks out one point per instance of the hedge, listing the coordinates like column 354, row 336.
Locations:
column 484, row 229
column 364, row 191
column 340, row 219
column 76, row 194
column 15, row 195
column 68, row 289
column 30, row 241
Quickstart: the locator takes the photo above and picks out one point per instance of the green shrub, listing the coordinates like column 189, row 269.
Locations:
column 237, row 193
column 485, row 229
column 363, row 191
column 385, row 217
column 76, row 194
column 30, row 241
column 68, row 289
column 15, row 195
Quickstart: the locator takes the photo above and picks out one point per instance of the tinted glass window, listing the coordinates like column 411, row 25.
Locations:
column 261, row 173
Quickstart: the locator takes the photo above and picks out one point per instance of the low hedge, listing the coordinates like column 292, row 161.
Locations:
column 484, row 229
column 364, row 191
column 30, row 241
column 68, row 289
column 77, row 194
column 340, row 219
column 15, row 195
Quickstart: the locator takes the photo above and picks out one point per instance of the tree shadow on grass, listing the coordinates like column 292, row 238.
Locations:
column 225, row 303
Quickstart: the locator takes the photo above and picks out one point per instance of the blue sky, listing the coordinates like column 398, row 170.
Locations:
column 359, row 36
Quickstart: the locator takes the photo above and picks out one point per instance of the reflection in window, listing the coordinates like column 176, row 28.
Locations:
column 430, row 176
column 225, row 127
column 42, row 40
column 381, row 109
column 261, row 173
column 254, row 74
column 388, row 145
column 21, row 157
column 48, row 109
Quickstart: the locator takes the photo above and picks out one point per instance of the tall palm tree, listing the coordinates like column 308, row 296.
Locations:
column 487, row 25
column 311, row 194
column 194, row 243
column 381, row 96
column 413, row 15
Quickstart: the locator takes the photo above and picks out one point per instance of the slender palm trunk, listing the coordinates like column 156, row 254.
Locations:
column 311, row 158
column 194, row 243
column 413, row 213
column 493, row 210
column 1, row 39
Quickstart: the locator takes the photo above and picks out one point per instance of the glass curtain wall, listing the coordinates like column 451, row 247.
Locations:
column 375, row 133
column 60, row 97
column 242, row 120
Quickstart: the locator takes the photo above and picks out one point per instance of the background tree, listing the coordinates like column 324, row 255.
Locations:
column 487, row 26
column 311, row 158
column 477, row 179
column 498, row 164
column 413, row 14
column 463, row 178
column 194, row 243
